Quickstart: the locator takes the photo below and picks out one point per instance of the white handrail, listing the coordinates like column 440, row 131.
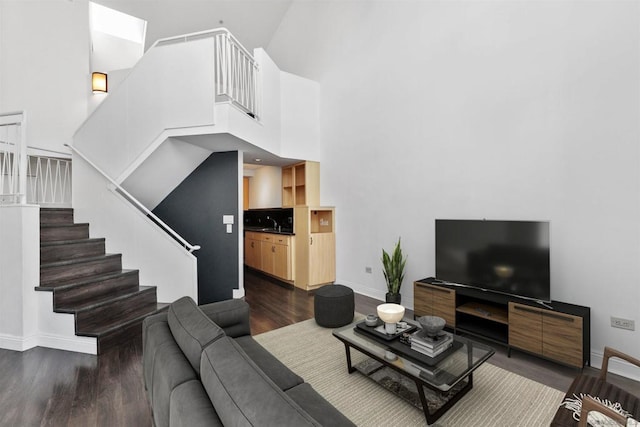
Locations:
column 200, row 35
column 139, row 205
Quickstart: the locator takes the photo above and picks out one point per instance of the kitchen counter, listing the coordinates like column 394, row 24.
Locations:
column 286, row 232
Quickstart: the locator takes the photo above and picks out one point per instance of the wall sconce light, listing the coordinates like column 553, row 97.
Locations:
column 99, row 82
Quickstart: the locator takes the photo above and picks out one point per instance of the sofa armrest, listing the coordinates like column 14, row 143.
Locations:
column 231, row 315
column 609, row 353
column 589, row 404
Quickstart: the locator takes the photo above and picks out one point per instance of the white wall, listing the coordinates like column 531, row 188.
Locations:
column 144, row 246
column 500, row 110
column 170, row 88
column 265, row 187
column 44, row 67
column 299, row 117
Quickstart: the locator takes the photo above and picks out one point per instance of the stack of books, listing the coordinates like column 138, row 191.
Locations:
column 431, row 346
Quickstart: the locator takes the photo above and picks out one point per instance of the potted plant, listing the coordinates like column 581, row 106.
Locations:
column 393, row 269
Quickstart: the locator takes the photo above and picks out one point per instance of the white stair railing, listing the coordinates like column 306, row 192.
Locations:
column 25, row 178
column 236, row 71
column 13, row 158
column 49, row 181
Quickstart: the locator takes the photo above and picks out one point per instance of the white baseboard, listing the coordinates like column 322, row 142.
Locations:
column 10, row 342
column 78, row 344
column 86, row 345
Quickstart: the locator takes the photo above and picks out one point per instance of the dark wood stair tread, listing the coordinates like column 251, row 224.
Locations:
column 94, row 303
column 55, row 272
column 64, row 225
column 72, row 241
column 83, row 281
column 78, row 260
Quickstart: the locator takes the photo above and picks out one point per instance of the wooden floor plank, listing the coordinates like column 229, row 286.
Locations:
column 109, row 395
column 83, row 407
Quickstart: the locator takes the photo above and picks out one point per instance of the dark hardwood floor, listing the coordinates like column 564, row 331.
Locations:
column 45, row 387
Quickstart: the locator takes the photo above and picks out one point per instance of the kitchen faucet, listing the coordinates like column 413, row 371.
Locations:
column 275, row 223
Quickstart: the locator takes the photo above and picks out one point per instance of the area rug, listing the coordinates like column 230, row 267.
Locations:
column 498, row 398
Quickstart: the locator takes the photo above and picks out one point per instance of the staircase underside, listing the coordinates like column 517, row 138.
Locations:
column 106, row 300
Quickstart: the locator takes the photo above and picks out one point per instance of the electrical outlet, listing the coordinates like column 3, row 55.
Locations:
column 367, row 270
column 617, row 322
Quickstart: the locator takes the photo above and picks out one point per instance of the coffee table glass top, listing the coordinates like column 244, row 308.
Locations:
column 461, row 360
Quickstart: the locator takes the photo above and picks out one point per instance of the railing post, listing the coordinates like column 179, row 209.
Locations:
column 22, row 173
column 14, row 162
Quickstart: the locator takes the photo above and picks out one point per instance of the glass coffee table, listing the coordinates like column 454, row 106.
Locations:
column 431, row 384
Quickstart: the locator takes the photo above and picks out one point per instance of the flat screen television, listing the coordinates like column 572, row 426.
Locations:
column 507, row 257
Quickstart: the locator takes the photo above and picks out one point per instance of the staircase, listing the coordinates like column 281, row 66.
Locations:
column 108, row 303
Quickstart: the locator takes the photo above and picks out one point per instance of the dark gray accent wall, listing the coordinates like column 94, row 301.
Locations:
column 194, row 209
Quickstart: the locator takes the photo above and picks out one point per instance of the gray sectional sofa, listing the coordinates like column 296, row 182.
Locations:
column 201, row 367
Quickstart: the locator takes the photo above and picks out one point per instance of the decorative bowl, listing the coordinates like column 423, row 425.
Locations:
column 390, row 313
column 371, row 320
column 431, row 325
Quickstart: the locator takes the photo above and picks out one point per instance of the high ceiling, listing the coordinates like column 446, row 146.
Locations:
column 252, row 22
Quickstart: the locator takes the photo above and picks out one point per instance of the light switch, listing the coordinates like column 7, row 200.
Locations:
column 227, row 219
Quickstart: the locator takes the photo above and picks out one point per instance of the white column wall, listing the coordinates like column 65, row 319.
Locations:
column 44, row 67
column 499, row 110
column 19, row 274
column 299, row 117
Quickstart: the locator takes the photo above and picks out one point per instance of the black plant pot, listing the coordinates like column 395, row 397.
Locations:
column 393, row 298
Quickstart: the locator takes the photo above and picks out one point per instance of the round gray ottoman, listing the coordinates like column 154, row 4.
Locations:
column 333, row 306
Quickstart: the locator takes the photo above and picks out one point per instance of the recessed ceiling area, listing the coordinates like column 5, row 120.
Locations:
column 221, row 142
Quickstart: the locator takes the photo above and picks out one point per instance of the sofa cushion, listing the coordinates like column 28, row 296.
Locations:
column 190, row 407
column 192, row 329
column 170, row 369
column 231, row 315
column 316, row 406
column 241, row 393
column 267, row 362
column 155, row 333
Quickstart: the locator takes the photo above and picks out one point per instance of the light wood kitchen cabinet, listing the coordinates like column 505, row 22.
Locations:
column 282, row 266
column 269, row 253
column 276, row 255
column 315, row 249
column 252, row 250
column 301, row 184
column 434, row 301
column 554, row 335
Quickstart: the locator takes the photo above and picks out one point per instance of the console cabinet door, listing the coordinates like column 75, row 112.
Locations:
column 525, row 328
column 422, row 299
column 562, row 338
column 429, row 300
column 444, row 305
